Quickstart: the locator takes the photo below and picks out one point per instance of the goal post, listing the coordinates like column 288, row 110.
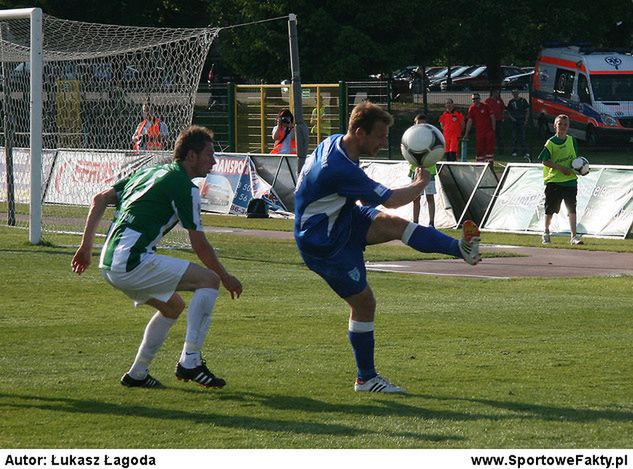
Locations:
column 34, row 15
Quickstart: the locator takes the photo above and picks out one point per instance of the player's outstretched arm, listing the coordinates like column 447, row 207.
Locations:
column 209, row 258
column 83, row 256
column 407, row 194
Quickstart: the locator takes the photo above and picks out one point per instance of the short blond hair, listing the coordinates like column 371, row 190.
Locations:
column 365, row 115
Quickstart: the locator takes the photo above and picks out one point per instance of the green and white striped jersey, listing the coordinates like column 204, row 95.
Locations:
column 150, row 203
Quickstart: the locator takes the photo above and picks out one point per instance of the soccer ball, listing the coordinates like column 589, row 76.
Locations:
column 580, row 165
column 422, row 145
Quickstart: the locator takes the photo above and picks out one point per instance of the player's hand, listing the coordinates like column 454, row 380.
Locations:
column 565, row 171
column 233, row 285
column 422, row 175
column 81, row 260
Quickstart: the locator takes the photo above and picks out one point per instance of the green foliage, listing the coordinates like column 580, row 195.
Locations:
column 341, row 40
column 527, row 363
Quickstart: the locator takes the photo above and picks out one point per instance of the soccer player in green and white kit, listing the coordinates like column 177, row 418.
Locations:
column 149, row 203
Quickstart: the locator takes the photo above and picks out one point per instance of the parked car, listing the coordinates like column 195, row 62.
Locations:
column 457, row 71
column 520, row 82
column 479, row 80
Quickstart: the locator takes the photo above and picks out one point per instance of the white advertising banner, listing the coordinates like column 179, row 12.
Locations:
column 609, row 208
column 604, row 203
column 22, row 173
column 78, row 175
column 396, row 174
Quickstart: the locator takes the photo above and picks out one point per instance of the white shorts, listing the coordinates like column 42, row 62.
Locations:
column 156, row 277
column 430, row 188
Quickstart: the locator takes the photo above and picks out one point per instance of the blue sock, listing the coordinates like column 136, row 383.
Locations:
column 363, row 346
column 428, row 239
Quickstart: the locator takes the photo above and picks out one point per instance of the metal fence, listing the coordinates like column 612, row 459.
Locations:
column 243, row 116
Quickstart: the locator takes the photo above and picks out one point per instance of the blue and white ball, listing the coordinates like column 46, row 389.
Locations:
column 422, row 145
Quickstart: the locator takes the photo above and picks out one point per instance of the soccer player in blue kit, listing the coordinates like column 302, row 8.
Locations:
column 332, row 230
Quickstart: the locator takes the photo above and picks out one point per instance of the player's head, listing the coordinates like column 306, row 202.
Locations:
column 475, row 98
column 285, row 116
column 365, row 115
column 193, row 138
column 369, row 127
column 561, row 123
column 148, row 111
column 194, row 150
column 449, row 105
column 419, row 119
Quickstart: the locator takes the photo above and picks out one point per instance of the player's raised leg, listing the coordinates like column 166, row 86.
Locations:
column 387, row 227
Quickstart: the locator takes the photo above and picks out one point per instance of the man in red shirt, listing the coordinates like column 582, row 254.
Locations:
column 497, row 106
column 452, row 123
column 484, row 120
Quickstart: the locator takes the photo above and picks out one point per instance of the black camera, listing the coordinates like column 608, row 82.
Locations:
column 286, row 120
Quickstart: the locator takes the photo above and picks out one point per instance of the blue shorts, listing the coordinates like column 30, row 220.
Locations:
column 345, row 271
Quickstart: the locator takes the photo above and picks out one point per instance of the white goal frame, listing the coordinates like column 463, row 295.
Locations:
column 35, row 109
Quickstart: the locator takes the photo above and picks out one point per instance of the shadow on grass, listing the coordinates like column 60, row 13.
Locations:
column 546, row 413
column 389, row 407
column 95, row 407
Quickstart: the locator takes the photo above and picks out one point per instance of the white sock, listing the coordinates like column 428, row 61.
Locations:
column 198, row 323
column 155, row 334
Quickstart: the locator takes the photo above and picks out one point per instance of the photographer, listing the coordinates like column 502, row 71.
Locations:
column 284, row 134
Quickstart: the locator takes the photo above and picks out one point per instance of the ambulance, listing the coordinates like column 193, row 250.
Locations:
column 593, row 87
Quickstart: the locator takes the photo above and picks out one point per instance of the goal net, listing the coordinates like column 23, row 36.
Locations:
column 95, row 80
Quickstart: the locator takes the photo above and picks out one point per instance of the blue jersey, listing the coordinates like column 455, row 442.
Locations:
column 328, row 188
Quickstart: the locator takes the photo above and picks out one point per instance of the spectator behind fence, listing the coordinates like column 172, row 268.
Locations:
column 151, row 133
column 284, row 134
column 518, row 108
column 484, row 120
column 497, row 106
column 319, row 116
column 452, row 123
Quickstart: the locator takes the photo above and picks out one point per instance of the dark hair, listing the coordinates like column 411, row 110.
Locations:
column 365, row 115
column 193, row 138
column 285, row 113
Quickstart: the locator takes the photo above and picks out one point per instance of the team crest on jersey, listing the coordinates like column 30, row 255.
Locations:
column 354, row 274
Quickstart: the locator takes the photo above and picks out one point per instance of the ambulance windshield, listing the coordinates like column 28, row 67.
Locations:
column 612, row 87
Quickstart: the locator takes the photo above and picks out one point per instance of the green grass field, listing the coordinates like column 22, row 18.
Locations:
column 526, row 363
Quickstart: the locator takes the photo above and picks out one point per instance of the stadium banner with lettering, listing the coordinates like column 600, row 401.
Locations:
column 78, row 174
column 72, row 177
column 232, row 183
column 395, row 174
column 604, row 202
